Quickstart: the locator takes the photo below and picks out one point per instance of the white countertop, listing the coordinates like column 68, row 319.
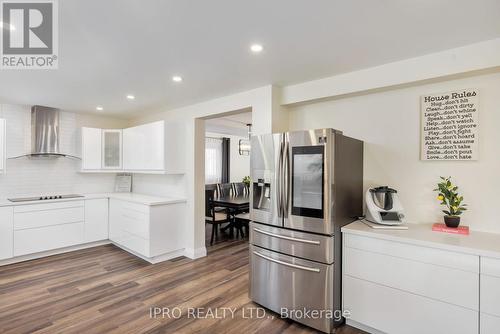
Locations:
column 476, row 243
column 130, row 197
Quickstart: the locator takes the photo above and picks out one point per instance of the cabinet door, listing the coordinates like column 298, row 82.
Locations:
column 6, row 232
column 91, row 148
column 144, row 147
column 96, row 219
column 112, row 149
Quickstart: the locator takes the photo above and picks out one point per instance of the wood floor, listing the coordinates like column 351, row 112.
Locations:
column 106, row 290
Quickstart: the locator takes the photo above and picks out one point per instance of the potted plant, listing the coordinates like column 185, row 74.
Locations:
column 246, row 181
column 449, row 197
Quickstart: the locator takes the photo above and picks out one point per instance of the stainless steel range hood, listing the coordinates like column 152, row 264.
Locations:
column 45, row 132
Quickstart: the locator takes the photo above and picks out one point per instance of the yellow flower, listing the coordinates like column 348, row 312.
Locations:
column 440, row 198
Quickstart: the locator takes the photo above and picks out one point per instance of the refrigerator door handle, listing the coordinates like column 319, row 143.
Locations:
column 316, row 270
column 279, row 182
column 286, row 177
column 305, row 241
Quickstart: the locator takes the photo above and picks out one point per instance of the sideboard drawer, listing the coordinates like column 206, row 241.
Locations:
column 490, row 295
column 429, row 280
column 490, row 266
column 424, row 254
column 394, row 311
column 489, row 324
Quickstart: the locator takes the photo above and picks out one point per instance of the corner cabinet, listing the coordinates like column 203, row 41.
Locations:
column 152, row 148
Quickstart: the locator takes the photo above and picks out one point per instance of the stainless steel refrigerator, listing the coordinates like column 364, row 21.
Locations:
column 306, row 185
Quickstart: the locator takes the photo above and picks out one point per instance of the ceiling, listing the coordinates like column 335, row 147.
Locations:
column 235, row 125
column 108, row 49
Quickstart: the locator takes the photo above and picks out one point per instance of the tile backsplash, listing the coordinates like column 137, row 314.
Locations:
column 28, row 176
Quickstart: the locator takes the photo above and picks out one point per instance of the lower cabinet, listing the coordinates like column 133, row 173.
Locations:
column 148, row 231
column 96, row 219
column 399, row 288
column 47, row 226
column 490, row 296
column 6, row 232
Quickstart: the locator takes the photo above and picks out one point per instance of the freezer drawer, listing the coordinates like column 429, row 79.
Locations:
column 281, row 282
column 300, row 244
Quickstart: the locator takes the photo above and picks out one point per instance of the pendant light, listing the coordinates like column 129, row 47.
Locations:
column 244, row 144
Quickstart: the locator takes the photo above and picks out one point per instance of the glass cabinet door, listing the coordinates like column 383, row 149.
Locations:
column 307, row 181
column 112, row 149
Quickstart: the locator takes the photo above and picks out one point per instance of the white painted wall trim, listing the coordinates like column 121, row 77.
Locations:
column 195, row 253
column 470, row 58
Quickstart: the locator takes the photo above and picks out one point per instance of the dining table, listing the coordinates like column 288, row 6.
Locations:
column 234, row 205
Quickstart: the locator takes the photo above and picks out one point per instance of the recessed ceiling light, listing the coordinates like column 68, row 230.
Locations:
column 9, row 26
column 131, row 97
column 176, row 78
column 256, row 48
column 99, row 108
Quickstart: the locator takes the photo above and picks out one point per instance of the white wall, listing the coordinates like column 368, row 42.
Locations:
column 389, row 124
column 239, row 164
column 25, row 177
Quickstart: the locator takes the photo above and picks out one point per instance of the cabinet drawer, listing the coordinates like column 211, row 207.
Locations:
column 287, row 291
column 48, row 206
column 35, row 219
column 134, row 207
column 429, row 255
column 489, row 324
column 446, row 284
column 490, row 266
column 311, row 246
column 134, row 243
column 139, row 227
column 490, row 295
column 46, row 238
column 394, row 311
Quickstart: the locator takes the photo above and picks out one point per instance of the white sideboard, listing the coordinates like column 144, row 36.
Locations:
column 420, row 281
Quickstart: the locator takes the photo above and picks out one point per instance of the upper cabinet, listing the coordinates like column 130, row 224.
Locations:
column 144, row 147
column 3, row 147
column 152, row 148
column 91, row 148
column 112, row 149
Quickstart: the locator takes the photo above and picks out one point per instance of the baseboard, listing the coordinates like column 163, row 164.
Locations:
column 34, row 256
column 194, row 254
column 155, row 259
column 365, row 328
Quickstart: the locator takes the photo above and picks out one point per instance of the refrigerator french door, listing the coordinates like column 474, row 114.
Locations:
column 305, row 186
column 292, row 180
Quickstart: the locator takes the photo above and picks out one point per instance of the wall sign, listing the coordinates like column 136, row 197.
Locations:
column 450, row 126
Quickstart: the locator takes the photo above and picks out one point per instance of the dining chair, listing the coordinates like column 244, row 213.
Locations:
column 241, row 221
column 224, row 189
column 213, row 217
column 239, row 189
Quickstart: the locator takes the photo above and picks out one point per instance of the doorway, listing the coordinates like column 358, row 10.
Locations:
column 226, row 157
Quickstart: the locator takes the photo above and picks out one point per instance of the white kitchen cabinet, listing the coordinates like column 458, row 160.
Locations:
column 3, row 146
column 152, row 148
column 47, row 226
column 91, row 149
column 96, row 219
column 153, row 232
column 112, row 149
column 144, row 147
column 6, row 232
